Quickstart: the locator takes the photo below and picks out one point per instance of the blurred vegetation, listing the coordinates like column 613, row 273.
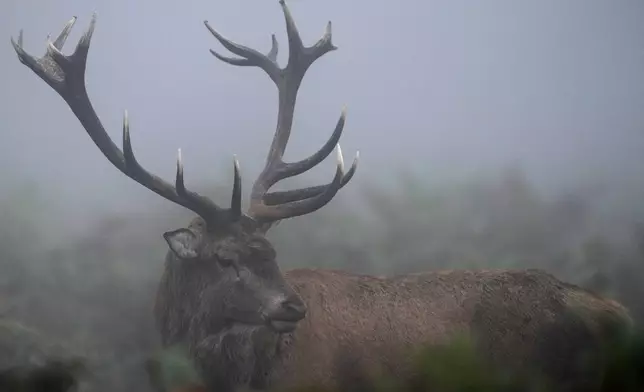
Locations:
column 92, row 297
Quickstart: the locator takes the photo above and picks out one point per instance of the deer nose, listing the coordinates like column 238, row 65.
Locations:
column 294, row 308
column 288, row 313
column 288, row 309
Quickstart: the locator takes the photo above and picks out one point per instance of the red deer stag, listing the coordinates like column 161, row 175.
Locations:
column 248, row 325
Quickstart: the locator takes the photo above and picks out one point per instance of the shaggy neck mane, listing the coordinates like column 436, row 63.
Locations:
column 239, row 355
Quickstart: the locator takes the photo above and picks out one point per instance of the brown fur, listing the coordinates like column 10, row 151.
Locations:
column 517, row 318
column 521, row 320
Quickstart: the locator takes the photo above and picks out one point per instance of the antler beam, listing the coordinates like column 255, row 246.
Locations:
column 270, row 207
column 66, row 75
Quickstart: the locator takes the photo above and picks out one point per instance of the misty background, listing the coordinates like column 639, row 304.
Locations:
column 441, row 88
column 491, row 133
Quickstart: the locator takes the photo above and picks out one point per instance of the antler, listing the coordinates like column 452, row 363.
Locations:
column 268, row 207
column 66, row 75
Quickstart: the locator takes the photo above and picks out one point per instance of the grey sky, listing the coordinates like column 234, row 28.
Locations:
column 437, row 86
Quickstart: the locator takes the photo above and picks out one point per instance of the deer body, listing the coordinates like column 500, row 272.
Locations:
column 524, row 320
column 527, row 319
column 247, row 324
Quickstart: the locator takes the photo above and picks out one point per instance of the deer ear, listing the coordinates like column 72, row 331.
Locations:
column 183, row 243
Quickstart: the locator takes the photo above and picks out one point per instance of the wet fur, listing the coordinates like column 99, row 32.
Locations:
column 522, row 320
column 526, row 321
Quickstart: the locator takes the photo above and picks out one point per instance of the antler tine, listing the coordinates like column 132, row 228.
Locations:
column 288, row 81
column 281, row 197
column 295, row 168
column 299, row 205
column 235, row 202
column 250, row 57
column 66, row 75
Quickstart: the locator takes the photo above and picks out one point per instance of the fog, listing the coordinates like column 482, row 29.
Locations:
column 441, row 88
column 439, row 94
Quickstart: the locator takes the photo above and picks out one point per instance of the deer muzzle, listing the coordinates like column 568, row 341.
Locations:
column 286, row 317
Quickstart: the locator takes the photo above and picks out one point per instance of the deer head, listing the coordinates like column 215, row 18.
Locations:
column 224, row 251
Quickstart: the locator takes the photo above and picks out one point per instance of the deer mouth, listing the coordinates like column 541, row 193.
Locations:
column 282, row 326
column 285, row 318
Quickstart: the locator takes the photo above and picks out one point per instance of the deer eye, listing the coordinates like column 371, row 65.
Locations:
column 229, row 260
